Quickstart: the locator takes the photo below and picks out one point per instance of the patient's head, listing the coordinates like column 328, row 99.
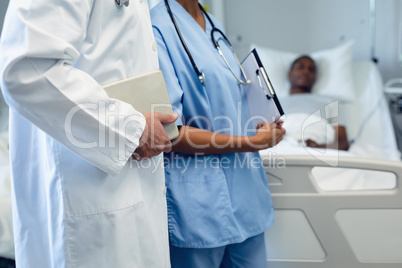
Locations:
column 302, row 75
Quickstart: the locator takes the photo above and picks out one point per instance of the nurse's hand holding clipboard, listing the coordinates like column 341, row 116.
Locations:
column 268, row 135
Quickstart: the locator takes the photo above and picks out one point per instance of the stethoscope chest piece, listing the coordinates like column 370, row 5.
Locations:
column 202, row 78
column 122, row 2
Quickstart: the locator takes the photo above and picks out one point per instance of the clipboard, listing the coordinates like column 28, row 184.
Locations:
column 261, row 98
column 146, row 93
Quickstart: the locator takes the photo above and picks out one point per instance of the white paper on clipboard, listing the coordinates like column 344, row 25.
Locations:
column 261, row 97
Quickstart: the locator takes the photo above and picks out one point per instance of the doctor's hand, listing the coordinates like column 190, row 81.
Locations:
column 154, row 139
column 268, row 135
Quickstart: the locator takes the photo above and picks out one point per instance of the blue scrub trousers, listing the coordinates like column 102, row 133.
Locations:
column 247, row 254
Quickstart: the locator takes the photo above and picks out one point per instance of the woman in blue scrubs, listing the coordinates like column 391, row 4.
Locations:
column 219, row 203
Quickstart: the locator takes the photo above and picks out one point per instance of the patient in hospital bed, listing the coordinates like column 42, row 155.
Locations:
column 342, row 86
column 311, row 119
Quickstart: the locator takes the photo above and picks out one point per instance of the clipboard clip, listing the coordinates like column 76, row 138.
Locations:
column 259, row 80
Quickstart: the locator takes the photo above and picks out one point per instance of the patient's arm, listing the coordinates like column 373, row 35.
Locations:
column 340, row 143
column 341, row 139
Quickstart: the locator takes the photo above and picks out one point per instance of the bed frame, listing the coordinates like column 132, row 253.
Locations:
column 315, row 228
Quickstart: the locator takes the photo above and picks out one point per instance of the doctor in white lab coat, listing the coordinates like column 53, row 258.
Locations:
column 79, row 198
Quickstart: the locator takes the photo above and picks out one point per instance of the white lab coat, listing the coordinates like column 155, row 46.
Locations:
column 78, row 201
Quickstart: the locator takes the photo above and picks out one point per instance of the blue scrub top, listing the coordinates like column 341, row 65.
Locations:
column 213, row 200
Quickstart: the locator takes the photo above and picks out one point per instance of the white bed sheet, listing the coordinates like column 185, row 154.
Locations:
column 332, row 178
column 370, row 116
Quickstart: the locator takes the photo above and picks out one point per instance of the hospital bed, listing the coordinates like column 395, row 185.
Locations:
column 334, row 208
column 317, row 228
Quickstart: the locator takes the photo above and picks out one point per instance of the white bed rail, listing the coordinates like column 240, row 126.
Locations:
column 316, row 228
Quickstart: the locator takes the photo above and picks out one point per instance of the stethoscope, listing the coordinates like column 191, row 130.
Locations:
column 200, row 74
column 122, row 2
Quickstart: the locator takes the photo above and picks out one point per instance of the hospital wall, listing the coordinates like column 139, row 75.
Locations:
column 310, row 25
column 3, row 8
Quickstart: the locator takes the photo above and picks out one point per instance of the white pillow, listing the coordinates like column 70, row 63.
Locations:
column 334, row 70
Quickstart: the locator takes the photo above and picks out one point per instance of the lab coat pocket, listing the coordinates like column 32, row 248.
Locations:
column 112, row 239
column 94, row 191
column 198, row 209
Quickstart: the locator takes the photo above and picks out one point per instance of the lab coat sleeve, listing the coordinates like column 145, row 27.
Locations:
column 40, row 43
column 169, row 74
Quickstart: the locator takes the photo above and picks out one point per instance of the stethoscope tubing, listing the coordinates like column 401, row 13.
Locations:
column 200, row 74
